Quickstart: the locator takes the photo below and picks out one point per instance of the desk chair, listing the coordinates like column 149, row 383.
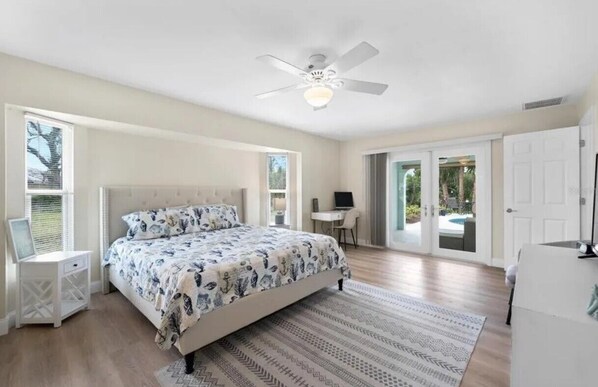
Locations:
column 348, row 224
column 510, row 280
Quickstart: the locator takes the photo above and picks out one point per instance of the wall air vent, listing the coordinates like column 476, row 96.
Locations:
column 543, row 103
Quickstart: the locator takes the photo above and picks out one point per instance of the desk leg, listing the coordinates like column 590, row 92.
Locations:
column 314, row 226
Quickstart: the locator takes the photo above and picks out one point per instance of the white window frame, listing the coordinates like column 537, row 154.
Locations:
column 286, row 191
column 67, row 191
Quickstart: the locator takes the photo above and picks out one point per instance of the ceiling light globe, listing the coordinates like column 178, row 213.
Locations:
column 318, row 96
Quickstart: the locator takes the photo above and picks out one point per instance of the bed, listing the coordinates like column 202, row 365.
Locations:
column 208, row 308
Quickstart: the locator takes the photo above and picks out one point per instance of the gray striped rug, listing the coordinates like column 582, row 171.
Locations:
column 362, row 336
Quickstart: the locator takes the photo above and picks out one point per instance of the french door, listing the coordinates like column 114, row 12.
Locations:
column 440, row 202
column 409, row 201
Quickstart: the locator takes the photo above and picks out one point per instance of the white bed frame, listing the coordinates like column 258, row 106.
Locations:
column 118, row 201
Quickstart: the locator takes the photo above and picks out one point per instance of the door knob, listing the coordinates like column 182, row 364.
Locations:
column 509, row 210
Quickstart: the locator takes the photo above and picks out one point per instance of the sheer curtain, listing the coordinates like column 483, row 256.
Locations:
column 375, row 188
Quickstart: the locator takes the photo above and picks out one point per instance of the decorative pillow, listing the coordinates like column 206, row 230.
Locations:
column 151, row 224
column 198, row 222
column 186, row 216
column 213, row 217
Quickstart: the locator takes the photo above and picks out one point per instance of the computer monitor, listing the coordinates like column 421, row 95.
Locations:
column 343, row 200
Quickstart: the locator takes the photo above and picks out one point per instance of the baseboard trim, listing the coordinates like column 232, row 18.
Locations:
column 497, row 262
column 4, row 325
column 9, row 321
column 95, row 287
column 366, row 243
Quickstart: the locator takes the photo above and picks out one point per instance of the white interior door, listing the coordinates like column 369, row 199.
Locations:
column 408, row 220
column 541, row 189
column 461, row 200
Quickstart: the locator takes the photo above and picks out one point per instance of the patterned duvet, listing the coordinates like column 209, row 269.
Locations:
column 191, row 274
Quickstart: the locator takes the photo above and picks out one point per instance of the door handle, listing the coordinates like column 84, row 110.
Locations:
column 509, row 210
column 425, row 208
column 432, row 209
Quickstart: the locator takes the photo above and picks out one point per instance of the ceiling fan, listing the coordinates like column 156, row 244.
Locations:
column 321, row 79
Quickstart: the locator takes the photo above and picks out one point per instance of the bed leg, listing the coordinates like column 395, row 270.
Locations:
column 340, row 284
column 189, row 361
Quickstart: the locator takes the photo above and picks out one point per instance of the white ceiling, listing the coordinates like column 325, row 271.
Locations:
column 444, row 61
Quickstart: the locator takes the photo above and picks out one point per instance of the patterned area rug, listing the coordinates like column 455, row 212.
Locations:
column 362, row 336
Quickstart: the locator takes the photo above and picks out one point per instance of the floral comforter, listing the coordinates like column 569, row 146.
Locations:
column 188, row 275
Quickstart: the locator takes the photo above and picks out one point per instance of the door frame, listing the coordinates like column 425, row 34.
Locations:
column 425, row 189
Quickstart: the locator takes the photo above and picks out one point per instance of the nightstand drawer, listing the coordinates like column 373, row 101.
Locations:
column 75, row 264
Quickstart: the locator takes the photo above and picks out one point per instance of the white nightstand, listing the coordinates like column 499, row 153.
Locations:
column 52, row 287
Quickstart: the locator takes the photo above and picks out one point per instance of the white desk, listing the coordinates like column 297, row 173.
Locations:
column 332, row 217
column 555, row 343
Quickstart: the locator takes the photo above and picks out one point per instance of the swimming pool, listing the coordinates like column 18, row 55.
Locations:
column 458, row 220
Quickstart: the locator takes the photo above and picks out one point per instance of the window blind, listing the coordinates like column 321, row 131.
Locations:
column 45, row 212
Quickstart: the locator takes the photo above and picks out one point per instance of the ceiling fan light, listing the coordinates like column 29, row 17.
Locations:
column 318, row 96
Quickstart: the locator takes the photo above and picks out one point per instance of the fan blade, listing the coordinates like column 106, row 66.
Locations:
column 282, row 65
column 363, row 87
column 359, row 54
column 320, row 108
column 282, row 91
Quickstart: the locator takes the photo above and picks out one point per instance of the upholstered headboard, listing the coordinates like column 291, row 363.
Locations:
column 118, row 201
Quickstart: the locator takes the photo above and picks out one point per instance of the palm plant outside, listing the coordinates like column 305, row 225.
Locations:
column 456, row 191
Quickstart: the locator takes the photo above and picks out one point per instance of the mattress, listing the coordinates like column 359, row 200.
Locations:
column 189, row 275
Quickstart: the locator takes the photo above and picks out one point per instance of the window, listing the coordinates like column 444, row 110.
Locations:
column 49, row 190
column 277, row 186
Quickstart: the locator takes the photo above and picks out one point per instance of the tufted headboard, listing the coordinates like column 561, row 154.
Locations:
column 118, row 201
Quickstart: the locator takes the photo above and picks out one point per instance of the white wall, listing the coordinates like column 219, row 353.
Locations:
column 120, row 159
column 351, row 157
column 103, row 158
column 590, row 102
column 26, row 83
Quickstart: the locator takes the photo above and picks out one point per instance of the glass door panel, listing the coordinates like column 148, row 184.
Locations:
column 456, row 199
column 461, row 197
column 408, row 218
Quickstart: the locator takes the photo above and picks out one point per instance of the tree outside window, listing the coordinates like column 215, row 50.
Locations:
column 47, row 196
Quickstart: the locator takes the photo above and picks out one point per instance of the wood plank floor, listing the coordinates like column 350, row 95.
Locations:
column 112, row 343
column 463, row 286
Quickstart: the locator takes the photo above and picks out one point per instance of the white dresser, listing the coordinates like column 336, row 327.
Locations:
column 52, row 287
column 555, row 343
